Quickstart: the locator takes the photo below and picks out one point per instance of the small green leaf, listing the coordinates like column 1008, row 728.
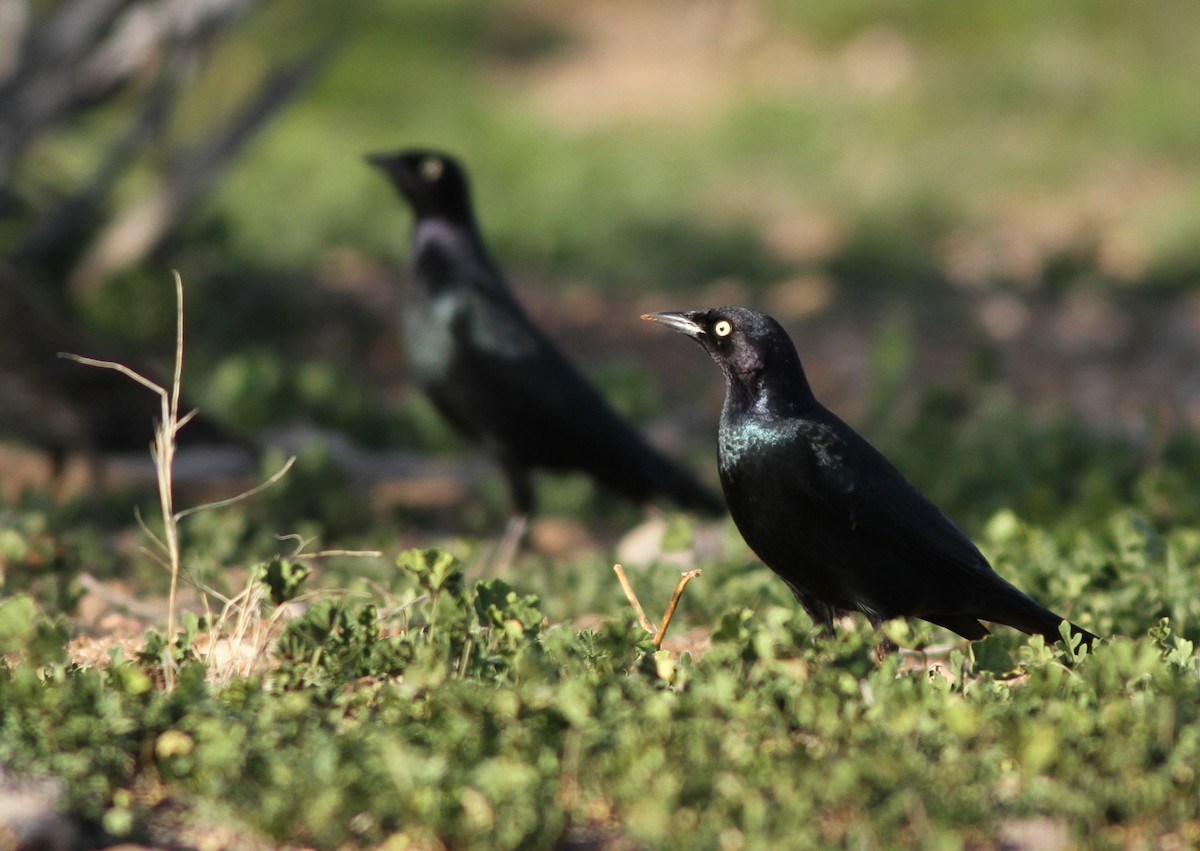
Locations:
column 17, row 616
column 991, row 655
column 435, row 569
column 284, row 578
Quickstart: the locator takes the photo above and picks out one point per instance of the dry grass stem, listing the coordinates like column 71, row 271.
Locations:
column 244, row 495
column 245, row 607
column 633, row 600
column 301, row 543
column 670, row 613
column 660, row 633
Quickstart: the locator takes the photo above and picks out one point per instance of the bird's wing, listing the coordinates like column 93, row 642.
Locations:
column 563, row 420
column 528, row 370
column 859, row 489
column 496, row 325
column 512, row 385
column 509, row 355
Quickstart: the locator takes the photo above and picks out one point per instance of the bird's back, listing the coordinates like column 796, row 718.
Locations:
column 823, row 507
column 501, row 381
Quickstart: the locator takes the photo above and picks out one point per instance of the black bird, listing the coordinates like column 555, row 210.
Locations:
column 826, row 511
column 492, row 373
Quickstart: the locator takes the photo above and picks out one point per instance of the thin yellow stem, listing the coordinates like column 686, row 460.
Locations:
column 164, row 461
column 233, row 500
column 675, row 595
column 163, row 452
column 633, row 600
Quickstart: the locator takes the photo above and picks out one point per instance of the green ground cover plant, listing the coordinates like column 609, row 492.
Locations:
column 903, row 159
column 455, row 713
column 418, row 701
column 421, row 702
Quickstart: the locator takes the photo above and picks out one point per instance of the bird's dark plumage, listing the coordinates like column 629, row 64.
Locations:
column 492, row 373
column 826, row 511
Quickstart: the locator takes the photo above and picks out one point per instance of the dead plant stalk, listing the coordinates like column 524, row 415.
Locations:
column 162, row 452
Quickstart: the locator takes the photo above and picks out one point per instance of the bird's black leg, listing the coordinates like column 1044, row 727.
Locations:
column 510, row 542
column 885, row 648
column 520, row 486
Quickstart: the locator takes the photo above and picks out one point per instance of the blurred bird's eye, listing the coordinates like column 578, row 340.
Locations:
column 431, row 168
column 722, row 328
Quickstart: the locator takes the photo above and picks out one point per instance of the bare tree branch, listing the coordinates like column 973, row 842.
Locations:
column 86, row 50
column 137, row 231
column 71, row 218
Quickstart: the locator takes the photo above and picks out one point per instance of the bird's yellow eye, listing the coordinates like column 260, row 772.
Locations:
column 431, row 168
column 722, row 328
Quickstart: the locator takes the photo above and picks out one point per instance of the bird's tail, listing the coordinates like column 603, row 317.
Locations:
column 647, row 474
column 689, row 494
column 1021, row 612
column 678, row 485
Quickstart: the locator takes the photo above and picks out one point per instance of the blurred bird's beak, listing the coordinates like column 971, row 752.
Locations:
column 379, row 160
column 391, row 163
column 681, row 322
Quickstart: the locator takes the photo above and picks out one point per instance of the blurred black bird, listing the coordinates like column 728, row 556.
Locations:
column 826, row 511
column 492, row 373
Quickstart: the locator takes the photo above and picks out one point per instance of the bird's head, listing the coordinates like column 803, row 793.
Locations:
column 752, row 349
column 434, row 183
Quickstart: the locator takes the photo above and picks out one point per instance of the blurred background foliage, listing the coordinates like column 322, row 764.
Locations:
column 980, row 223
column 610, row 131
column 970, row 217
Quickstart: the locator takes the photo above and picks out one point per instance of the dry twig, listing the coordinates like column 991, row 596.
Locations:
column 670, row 613
column 163, row 453
column 660, row 633
column 632, row 597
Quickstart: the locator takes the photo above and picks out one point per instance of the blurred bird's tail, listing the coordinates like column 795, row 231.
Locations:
column 678, row 485
column 648, row 474
column 693, row 496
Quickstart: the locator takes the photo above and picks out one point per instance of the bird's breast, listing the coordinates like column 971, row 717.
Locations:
column 768, row 467
column 754, row 442
column 429, row 337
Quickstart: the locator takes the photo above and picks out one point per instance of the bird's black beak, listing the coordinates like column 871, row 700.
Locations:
column 392, row 165
column 681, row 322
column 379, row 160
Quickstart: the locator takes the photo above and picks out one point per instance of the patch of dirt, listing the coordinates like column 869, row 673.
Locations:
column 632, row 61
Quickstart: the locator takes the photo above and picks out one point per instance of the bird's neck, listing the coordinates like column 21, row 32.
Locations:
column 445, row 230
column 456, row 240
column 769, row 394
column 759, row 419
